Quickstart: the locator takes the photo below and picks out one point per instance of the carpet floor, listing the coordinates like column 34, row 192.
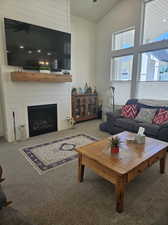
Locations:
column 56, row 198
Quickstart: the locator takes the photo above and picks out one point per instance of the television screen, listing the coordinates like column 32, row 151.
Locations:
column 34, row 47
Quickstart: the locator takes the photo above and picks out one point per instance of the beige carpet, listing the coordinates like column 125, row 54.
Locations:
column 57, row 199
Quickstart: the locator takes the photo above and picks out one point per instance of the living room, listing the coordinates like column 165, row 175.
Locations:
column 113, row 52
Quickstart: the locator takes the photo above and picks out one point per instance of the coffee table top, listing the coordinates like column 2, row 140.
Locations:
column 130, row 156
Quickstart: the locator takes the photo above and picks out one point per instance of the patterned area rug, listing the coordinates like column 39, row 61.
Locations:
column 47, row 156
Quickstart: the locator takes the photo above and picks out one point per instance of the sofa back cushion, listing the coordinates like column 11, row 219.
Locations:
column 152, row 104
column 129, row 111
column 132, row 101
column 161, row 117
column 146, row 115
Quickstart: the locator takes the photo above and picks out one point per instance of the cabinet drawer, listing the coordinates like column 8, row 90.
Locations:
column 156, row 158
column 137, row 171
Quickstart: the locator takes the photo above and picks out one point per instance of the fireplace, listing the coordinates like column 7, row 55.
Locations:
column 42, row 119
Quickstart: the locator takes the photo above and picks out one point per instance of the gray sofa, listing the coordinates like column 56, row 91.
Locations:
column 115, row 123
column 8, row 215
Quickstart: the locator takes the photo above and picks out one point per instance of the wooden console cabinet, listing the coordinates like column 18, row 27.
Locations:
column 84, row 107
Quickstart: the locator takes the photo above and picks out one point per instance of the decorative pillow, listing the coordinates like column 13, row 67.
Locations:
column 146, row 115
column 161, row 117
column 129, row 111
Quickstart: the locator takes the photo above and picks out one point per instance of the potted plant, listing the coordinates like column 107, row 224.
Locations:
column 89, row 90
column 74, row 91
column 114, row 144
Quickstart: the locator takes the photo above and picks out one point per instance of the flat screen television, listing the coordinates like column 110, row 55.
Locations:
column 34, row 47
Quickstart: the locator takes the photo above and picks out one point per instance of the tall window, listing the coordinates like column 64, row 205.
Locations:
column 154, row 66
column 155, row 21
column 123, row 39
column 147, row 59
column 122, row 68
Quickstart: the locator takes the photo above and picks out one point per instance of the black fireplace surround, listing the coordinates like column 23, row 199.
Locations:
column 42, row 119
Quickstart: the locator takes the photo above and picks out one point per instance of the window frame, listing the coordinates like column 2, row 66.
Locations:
column 138, row 49
column 120, row 32
column 112, row 70
column 139, row 77
column 143, row 5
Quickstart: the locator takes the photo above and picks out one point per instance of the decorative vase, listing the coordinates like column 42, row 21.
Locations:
column 89, row 90
column 80, row 90
column 114, row 150
column 86, row 88
column 22, row 130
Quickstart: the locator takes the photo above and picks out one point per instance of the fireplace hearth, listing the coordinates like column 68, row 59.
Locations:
column 42, row 119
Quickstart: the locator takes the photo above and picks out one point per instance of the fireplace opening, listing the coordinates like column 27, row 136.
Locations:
column 42, row 119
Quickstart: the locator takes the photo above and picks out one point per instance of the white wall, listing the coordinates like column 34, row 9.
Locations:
column 125, row 14
column 122, row 92
column 53, row 14
column 83, row 51
column 122, row 16
column 152, row 90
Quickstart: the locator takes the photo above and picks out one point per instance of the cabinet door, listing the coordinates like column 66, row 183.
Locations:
column 75, row 107
column 84, row 107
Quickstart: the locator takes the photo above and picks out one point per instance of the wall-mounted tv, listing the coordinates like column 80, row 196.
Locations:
column 34, row 47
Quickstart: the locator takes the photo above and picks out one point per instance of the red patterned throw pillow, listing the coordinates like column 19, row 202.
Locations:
column 161, row 117
column 129, row 111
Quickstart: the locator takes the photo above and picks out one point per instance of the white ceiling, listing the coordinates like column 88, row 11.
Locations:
column 91, row 11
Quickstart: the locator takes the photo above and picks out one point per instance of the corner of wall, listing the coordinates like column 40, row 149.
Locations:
column 83, row 51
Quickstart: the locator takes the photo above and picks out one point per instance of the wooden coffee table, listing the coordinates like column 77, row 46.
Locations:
column 123, row 167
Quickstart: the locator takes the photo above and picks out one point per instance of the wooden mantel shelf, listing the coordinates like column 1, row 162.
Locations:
column 40, row 77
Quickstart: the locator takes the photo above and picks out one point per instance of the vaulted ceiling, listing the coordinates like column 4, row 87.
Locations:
column 91, row 10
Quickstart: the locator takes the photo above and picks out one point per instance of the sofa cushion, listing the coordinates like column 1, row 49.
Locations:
column 129, row 111
column 150, row 129
column 127, row 124
column 146, row 115
column 111, row 116
column 161, row 117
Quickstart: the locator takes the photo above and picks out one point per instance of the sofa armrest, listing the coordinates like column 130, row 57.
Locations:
column 114, row 115
column 165, row 125
column 163, row 132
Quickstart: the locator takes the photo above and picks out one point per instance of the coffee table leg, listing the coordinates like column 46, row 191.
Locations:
column 81, row 169
column 162, row 165
column 120, row 195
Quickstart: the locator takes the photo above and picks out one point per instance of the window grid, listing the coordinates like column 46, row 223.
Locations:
column 138, row 49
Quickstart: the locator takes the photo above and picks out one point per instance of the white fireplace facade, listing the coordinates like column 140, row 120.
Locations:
column 20, row 95
column 17, row 96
